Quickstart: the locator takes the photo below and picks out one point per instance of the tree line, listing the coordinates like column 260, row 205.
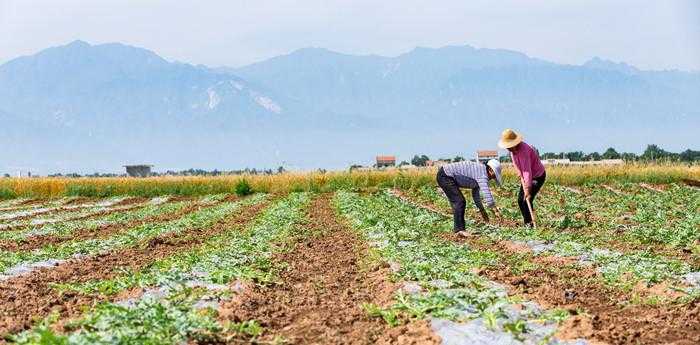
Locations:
column 422, row 160
column 188, row 172
column 651, row 154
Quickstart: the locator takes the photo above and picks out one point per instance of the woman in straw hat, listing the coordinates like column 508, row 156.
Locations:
column 530, row 169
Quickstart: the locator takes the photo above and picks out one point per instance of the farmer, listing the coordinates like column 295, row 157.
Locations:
column 451, row 177
column 530, row 169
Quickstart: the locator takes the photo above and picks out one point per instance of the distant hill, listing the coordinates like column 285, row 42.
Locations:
column 83, row 107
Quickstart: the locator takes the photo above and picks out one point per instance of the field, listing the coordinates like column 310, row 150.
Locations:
column 345, row 258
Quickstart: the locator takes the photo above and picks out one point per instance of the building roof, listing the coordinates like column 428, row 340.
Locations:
column 139, row 166
column 484, row 153
column 386, row 158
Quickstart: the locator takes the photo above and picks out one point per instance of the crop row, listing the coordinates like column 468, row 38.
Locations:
column 66, row 227
column 12, row 263
column 441, row 280
column 645, row 216
column 182, row 292
column 23, row 204
column 619, row 268
column 25, row 217
column 665, row 220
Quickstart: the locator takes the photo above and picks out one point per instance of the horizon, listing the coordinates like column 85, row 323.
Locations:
column 602, row 58
column 235, row 34
column 502, row 153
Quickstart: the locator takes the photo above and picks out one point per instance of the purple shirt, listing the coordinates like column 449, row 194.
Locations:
column 527, row 162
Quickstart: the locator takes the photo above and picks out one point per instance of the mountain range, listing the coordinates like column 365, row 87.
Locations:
column 83, row 108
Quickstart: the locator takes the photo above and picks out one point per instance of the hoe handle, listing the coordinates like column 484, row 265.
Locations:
column 532, row 212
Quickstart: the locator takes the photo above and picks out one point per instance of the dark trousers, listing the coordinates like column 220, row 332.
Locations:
column 455, row 196
column 534, row 189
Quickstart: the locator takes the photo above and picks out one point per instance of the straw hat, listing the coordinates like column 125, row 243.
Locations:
column 509, row 138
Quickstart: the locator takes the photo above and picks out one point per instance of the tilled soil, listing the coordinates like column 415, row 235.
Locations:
column 47, row 212
column 319, row 299
column 682, row 254
column 29, row 298
column 607, row 316
column 663, row 249
column 35, row 242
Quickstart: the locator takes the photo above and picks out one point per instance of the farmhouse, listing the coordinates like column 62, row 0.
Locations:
column 485, row 155
column 437, row 163
column 566, row 161
column 557, row 161
column 142, row 170
column 386, row 161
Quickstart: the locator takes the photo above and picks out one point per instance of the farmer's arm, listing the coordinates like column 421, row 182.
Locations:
column 524, row 166
column 477, row 201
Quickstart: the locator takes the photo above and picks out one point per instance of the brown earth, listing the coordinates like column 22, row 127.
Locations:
column 608, row 316
column 29, row 298
column 54, row 211
column 34, row 242
column 132, row 201
column 319, row 298
column 81, row 217
column 684, row 254
column 691, row 182
column 50, row 211
column 590, row 216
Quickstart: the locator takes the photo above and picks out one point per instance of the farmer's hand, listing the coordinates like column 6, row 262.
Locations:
column 497, row 212
column 484, row 215
column 526, row 192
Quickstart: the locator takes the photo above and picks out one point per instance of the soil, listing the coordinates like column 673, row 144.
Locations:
column 322, row 289
column 35, row 242
column 692, row 183
column 654, row 187
column 684, row 254
column 607, row 316
column 30, row 298
column 67, row 208
column 131, row 201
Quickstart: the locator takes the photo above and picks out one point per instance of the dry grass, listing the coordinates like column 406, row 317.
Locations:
column 147, row 187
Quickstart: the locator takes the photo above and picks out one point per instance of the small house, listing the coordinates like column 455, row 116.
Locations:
column 486, row 155
column 141, row 170
column 437, row 163
column 386, row 161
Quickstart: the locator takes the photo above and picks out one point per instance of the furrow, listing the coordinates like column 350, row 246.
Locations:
column 30, row 298
column 320, row 294
column 599, row 311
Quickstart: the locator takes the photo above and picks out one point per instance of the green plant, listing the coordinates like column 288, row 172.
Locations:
column 391, row 317
column 6, row 193
column 243, row 188
column 251, row 328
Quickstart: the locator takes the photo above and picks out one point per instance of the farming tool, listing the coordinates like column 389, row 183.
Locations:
column 532, row 213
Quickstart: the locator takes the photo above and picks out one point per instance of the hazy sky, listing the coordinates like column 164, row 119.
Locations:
column 656, row 34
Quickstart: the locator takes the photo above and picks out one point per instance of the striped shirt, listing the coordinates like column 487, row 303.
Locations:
column 472, row 175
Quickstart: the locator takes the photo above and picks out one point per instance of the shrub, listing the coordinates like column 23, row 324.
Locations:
column 6, row 193
column 243, row 188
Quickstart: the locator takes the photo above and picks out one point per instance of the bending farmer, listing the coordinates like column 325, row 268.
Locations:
column 530, row 169
column 451, row 177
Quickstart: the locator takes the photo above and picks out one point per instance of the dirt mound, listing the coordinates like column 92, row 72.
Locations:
column 692, row 183
column 608, row 315
column 320, row 297
column 38, row 241
column 131, row 201
column 30, row 297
